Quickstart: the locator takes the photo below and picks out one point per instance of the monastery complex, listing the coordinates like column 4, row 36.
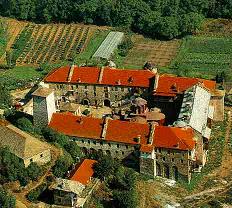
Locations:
column 162, row 120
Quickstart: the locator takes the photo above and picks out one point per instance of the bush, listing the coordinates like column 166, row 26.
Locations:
column 125, row 46
column 34, row 194
column 25, row 124
column 6, row 200
column 62, row 165
column 34, row 171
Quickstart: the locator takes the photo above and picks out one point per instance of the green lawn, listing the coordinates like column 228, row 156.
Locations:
column 202, row 56
column 92, row 46
column 19, row 76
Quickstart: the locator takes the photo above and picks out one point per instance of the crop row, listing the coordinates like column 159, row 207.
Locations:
column 50, row 43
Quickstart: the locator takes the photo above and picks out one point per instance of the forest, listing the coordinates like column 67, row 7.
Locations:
column 165, row 19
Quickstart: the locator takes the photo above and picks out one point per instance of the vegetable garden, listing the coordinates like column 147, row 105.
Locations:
column 49, row 43
column 204, row 57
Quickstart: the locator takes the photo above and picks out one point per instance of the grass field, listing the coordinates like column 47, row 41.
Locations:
column 202, row 56
column 3, row 37
column 93, row 44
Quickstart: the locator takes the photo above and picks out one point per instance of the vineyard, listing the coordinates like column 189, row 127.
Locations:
column 49, row 43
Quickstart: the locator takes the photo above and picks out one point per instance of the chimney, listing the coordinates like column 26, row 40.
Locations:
column 80, row 120
column 130, row 80
column 151, row 133
column 70, row 74
column 105, row 125
column 119, row 82
column 79, row 80
column 101, row 75
column 138, row 139
column 156, row 81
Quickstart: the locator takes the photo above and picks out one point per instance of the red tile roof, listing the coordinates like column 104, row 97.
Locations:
column 88, row 75
column 170, row 85
column 146, row 148
column 59, row 75
column 84, row 172
column 123, row 131
column 134, row 78
column 127, row 132
column 174, row 138
column 91, row 75
column 72, row 125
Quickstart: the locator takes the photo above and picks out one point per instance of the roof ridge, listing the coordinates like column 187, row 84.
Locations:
column 181, row 140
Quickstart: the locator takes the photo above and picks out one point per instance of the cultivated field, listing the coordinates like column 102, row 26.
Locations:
column 49, row 43
column 159, row 52
column 204, row 56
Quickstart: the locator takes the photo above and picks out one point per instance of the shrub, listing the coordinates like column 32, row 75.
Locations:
column 34, row 194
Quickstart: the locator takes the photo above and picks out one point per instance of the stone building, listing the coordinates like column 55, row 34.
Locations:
column 184, row 104
column 23, row 145
column 43, row 106
column 98, row 86
column 71, row 192
column 161, row 149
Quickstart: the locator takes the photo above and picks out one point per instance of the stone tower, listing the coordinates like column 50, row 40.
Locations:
column 43, row 106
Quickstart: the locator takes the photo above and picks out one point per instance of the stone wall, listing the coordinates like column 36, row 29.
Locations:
column 99, row 95
column 116, row 150
column 63, row 198
column 41, row 158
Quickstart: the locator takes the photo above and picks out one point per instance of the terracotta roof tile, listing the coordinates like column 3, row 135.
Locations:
column 91, row 75
column 88, row 75
column 84, row 172
column 127, row 132
column 174, row 138
column 72, row 125
column 170, row 86
column 134, row 78
column 146, row 148
column 59, row 75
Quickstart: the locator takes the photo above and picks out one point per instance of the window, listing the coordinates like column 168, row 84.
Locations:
column 169, row 152
column 31, row 160
column 182, row 161
column 122, row 89
column 41, row 155
column 106, row 95
column 77, row 86
column 95, row 94
column 101, row 143
column 94, row 142
column 126, row 146
column 116, row 152
column 88, row 141
column 83, row 141
column 116, row 97
column 109, row 144
column 72, row 88
column 164, row 158
column 122, row 153
column 116, row 88
column 117, row 145
column 86, row 87
column 94, row 88
column 172, row 159
column 105, row 89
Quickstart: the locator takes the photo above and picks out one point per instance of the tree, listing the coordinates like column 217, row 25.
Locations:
column 6, row 200
column 55, row 137
column 5, row 98
column 74, row 150
column 34, row 171
column 62, row 165
column 105, row 167
column 25, row 124
column 168, row 27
